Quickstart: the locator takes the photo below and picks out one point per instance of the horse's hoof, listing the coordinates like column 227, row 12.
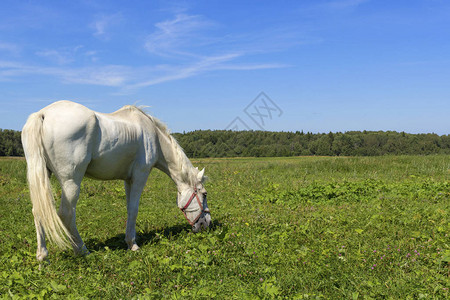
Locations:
column 42, row 255
column 134, row 248
column 83, row 252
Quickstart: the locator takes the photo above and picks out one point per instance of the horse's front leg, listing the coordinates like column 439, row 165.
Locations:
column 133, row 190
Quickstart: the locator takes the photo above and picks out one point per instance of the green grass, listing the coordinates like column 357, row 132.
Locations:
column 302, row 228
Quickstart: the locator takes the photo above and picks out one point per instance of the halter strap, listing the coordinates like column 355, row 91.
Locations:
column 194, row 195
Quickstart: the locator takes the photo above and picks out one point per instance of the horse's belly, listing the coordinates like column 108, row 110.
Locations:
column 110, row 167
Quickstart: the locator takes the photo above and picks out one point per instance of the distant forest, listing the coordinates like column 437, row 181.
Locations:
column 221, row 143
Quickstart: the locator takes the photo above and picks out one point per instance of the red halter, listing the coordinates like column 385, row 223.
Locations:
column 202, row 210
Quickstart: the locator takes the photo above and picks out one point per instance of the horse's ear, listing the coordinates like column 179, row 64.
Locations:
column 200, row 175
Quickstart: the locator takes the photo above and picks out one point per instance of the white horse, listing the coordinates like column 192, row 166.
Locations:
column 72, row 141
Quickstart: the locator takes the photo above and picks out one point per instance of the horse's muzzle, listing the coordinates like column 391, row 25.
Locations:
column 203, row 222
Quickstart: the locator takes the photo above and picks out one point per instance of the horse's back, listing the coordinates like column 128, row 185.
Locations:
column 102, row 146
column 68, row 119
column 70, row 132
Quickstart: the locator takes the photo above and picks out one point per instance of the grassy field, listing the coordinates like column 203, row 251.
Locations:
column 296, row 228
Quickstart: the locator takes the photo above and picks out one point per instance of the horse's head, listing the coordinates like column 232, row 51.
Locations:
column 193, row 204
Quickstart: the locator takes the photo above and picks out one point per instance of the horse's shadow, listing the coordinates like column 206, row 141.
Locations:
column 143, row 238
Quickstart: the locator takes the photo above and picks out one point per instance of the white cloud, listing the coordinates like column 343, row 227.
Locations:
column 59, row 57
column 11, row 69
column 189, row 38
column 178, row 35
column 114, row 76
column 92, row 55
column 174, row 73
column 68, row 55
column 206, row 64
column 109, row 75
column 129, row 78
column 8, row 47
column 188, row 41
column 103, row 24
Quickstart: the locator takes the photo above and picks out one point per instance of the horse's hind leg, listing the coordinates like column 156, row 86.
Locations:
column 42, row 251
column 67, row 212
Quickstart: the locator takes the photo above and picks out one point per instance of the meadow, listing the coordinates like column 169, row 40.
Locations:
column 294, row 228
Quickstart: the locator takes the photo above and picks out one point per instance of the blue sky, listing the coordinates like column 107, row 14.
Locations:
column 334, row 65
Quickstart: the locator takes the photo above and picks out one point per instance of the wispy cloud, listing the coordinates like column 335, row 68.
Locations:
column 110, row 75
column 207, row 64
column 128, row 78
column 103, row 23
column 68, row 55
column 186, row 36
column 193, row 40
column 57, row 56
column 10, row 48
column 174, row 73
column 177, row 36
column 190, row 44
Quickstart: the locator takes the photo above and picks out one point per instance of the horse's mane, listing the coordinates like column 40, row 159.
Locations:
column 184, row 164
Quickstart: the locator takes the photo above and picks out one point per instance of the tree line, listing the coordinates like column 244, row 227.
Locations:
column 221, row 143
column 226, row 143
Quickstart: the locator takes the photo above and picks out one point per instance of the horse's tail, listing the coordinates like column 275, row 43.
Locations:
column 44, row 209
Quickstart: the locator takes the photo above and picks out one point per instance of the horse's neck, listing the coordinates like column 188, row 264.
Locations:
column 174, row 162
